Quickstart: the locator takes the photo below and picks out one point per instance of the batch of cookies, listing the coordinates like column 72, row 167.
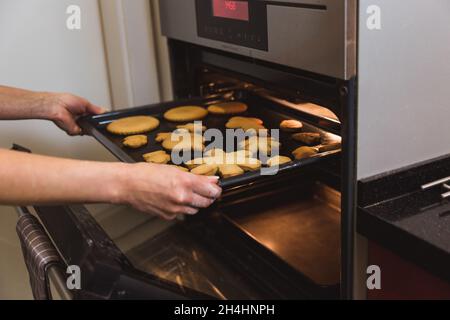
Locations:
column 215, row 161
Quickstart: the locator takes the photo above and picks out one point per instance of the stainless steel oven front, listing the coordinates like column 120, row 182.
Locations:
column 284, row 237
column 312, row 35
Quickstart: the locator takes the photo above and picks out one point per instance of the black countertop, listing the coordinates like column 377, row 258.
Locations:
column 413, row 223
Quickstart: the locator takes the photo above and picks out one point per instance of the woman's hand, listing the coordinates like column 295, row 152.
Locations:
column 64, row 109
column 166, row 191
column 28, row 179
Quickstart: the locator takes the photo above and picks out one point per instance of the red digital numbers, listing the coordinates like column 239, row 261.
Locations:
column 236, row 10
column 231, row 5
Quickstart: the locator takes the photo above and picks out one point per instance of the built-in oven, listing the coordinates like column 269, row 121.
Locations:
column 282, row 236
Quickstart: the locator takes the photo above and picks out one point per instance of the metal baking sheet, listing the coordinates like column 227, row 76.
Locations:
column 270, row 112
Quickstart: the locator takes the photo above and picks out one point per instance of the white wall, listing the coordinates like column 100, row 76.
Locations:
column 136, row 54
column 38, row 52
column 404, row 76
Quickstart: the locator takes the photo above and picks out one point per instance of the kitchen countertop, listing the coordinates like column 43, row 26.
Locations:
column 415, row 225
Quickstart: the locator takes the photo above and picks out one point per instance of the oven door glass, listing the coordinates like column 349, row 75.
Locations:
column 285, row 246
column 169, row 251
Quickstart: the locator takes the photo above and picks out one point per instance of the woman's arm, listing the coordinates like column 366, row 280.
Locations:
column 4, row 90
column 161, row 190
column 61, row 108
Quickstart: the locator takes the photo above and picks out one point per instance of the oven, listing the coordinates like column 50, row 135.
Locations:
column 374, row 198
column 283, row 236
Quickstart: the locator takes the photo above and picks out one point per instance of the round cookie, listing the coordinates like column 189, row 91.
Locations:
column 230, row 170
column 214, row 152
column 249, row 164
column 228, row 108
column 180, row 168
column 160, row 137
column 264, row 145
column 192, row 127
column 193, row 142
column 238, row 156
column 245, row 124
column 278, row 161
column 205, row 170
column 135, row 142
column 216, row 160
column 256, row 120
column 194, row 163
column 291, row 126
column 308, row 138
column 304, row 152
column 158, row 157
column 329, row 147
column 133, row 125
column 185, row 114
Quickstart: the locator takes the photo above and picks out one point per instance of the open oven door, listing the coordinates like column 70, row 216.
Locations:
column 232, row 252
column 105, row 271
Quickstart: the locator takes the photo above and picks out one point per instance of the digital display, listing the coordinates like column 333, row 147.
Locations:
column 236, row 10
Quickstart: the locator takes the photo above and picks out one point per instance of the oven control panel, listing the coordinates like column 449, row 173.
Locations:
column 243, row 23
column 313, row 35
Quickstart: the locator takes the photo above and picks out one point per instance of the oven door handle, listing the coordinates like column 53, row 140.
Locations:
column 54, row 275
column 42, row 260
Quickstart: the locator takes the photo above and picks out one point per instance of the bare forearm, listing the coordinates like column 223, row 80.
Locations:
column 30, row 179
column 156, row 189
column 4, row 90
column 22, row 104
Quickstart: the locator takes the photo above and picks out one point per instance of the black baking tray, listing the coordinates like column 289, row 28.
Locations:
column 272, row 113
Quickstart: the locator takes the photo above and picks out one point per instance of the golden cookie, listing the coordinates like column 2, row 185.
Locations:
column 180, row 168
column 240, row 155
column 192, row 127
column 214, row 152
column 256, row 120
column 218, row 157
column 135, row 142
column 205, row 170
column 158, row 157
column 183, row 142
column 278, row 161
column 186, row 114
column 308, row 138
column 160, row 137
column 194, row 163
column 249, row 164
column 329, row 147
column 304, row 152
column 263, row 145
column 133, row 125
column 227, row 108
column 245, row 124
column 291, row 125
column 230, row 170
column 216, row 160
